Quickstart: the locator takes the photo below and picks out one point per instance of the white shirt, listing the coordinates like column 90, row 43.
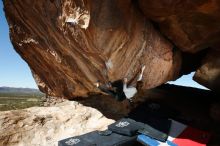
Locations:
column 129, row 91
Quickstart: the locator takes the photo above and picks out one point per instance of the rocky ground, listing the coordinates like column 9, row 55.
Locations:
column 44, row 126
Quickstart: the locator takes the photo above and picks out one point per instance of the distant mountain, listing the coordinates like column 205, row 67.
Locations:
column 18, row 90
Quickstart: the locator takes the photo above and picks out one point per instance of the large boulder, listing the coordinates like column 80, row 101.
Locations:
column 209, row 72
column 192, row 25
column 70, row 44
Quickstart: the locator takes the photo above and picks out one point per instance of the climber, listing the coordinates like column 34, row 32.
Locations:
column 131, row 91
column 114, row 89
column 119, row 89
column 105, row 88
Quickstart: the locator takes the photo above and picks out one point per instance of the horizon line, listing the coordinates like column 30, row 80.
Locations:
column 18, row 87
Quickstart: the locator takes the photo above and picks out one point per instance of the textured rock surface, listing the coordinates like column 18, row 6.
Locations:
column 192, row 25
column 44, row 126
column 209, row 73
column 107, row 41
column 70, row 44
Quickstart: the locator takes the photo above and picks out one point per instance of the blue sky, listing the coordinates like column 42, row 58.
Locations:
column 186, row 80
column 14, row 72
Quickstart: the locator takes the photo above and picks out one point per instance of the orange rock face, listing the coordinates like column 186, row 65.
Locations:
column 192, row 25
column 70, row 44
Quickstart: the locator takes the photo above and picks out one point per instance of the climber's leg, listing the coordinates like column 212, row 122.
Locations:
column 140, row 77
